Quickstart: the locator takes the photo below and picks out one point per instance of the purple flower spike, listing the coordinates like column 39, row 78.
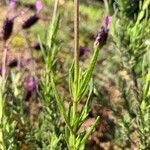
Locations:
column 38, row 6
column 101, row 37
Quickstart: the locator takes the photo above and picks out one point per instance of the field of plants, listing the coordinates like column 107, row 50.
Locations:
column 74, row 74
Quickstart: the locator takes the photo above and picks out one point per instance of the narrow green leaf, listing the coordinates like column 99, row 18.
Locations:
column 88, row 75
column 53, row 26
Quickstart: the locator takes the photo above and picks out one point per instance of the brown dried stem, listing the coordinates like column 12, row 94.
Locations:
column 76, row 39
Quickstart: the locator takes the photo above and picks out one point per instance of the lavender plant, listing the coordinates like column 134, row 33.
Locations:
column 80, row 84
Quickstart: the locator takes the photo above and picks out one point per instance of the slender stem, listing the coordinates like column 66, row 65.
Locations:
column 76, row 65
column 74, row 110
column 76, row 41
column 106, row 6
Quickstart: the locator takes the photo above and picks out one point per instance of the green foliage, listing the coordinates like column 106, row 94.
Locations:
column 130, row 31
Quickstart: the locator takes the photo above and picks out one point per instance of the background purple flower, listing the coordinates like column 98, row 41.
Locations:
column 83, row 51
column 7, row 28
column 30, row 21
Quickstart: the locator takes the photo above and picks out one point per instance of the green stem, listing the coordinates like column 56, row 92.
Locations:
column 74, row 113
